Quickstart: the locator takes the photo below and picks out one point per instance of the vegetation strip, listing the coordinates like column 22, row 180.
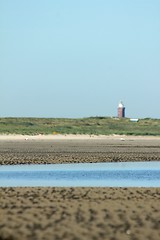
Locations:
column 92, row 125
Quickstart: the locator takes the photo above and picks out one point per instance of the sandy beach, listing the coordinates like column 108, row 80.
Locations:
column 17, row 137
column 79, row 213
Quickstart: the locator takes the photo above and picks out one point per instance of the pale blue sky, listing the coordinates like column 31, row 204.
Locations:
column 78, row 58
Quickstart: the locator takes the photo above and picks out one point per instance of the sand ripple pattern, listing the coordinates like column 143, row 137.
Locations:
column 80, row 213
column 50, row 152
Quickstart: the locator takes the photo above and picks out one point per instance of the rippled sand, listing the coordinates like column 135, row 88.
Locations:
column 75, row 150
column 79, row 213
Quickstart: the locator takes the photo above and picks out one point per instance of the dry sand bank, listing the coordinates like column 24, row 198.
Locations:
column 75, row 137
column 79, row 213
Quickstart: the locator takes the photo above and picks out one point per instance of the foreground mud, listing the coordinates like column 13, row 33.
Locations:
column 79, row 213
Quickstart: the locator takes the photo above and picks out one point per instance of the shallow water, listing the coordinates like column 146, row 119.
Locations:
column 124, row 174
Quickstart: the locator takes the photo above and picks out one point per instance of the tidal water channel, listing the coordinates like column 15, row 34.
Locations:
column 122, row 174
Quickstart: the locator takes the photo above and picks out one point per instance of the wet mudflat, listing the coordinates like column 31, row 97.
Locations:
column 79, row 213
column 78, row 151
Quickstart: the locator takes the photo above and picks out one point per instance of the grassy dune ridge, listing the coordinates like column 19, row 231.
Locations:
column 91, row 125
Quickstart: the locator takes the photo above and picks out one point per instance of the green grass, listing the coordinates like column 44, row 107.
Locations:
column 92, row 125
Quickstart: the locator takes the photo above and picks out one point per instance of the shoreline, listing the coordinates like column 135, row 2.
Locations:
column 18, row 137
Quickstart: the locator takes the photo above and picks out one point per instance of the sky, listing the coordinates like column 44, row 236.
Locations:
column 76, row 59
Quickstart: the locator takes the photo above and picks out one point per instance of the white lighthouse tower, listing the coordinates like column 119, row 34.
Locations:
column 121, row 110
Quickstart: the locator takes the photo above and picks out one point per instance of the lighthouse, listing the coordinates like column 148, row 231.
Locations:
column 121, row 110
